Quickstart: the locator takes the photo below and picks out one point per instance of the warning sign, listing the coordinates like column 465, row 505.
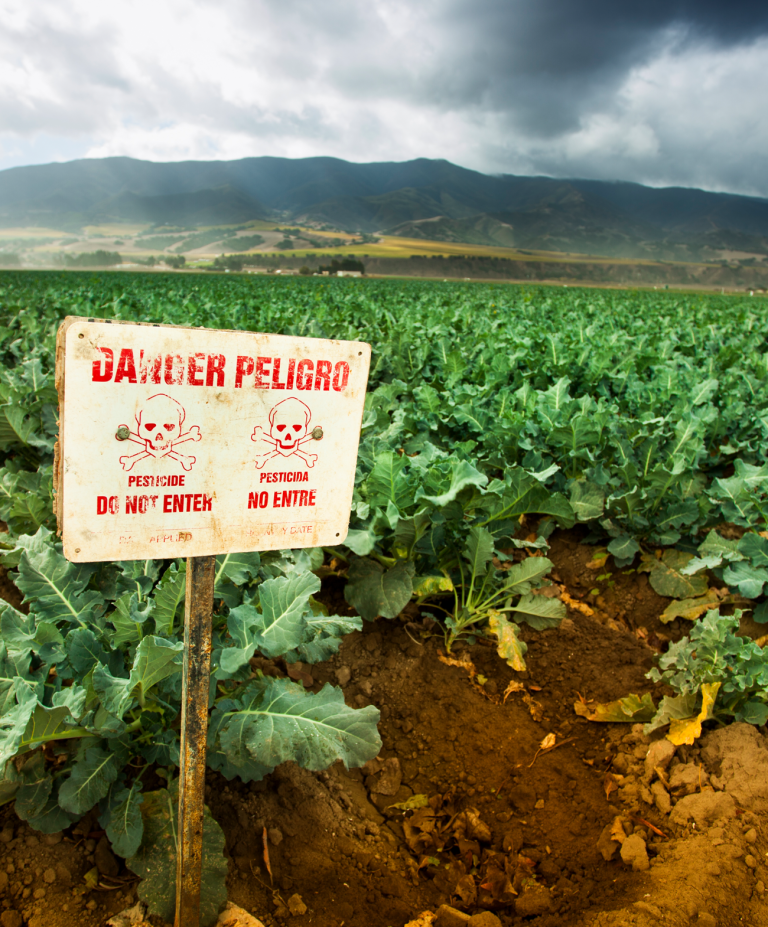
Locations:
column 178, row 442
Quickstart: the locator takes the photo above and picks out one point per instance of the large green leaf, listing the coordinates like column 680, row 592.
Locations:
column 275, row 720
column 84, row 650
column 716, row 545
column 123, row 821
column 155, row 861
column 747, row 578
column 479, row 549
column 56, row 586
column 587, row 500
column 373, row 591
column 666, row 579
column 239, row 568
column 520, row 578
column 539, row 611
column 26, row 634
column 128, row 618
column 323, row 635
column 168, row 597
column 90, row 779
column 13, row 724
column 29, row 725
column 155, row 659
column 755, row 549
column 360, row 541
column 624, row 549
column 37, row 801
column 462, row 475
column 388, row 483
column 284, row 601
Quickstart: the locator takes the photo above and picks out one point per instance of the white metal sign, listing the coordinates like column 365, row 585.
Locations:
column 179, row 442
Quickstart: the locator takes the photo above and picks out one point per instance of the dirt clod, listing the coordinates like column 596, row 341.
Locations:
column 659, row 756
column 704, row 809
column 296, row 906
column 533, row 901
column 343, row 675
column 484, row 919
column 634, row 853
column 389, row 778
column 11, row 918
column 446, row 916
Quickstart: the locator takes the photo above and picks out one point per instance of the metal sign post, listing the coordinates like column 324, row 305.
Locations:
column 198, row 608
column 182, row 442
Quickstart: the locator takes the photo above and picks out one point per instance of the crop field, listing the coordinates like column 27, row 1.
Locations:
column 528, row 655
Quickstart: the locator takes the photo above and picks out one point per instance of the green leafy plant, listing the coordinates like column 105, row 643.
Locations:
column 639, row 415
column 93, row 674
column 713, row 663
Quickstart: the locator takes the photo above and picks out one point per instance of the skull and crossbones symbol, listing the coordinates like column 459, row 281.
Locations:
column 160, row 420
column 289, row 429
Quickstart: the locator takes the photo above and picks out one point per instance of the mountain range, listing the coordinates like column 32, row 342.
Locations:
column 428, row 199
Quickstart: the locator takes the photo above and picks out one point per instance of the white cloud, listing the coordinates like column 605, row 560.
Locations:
column 385, row 80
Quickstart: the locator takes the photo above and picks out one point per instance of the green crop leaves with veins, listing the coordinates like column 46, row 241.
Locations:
column 643, row 416
column 112, row 634
column 714, row 653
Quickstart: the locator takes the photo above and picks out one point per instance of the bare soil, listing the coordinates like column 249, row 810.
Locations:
column 586, row 833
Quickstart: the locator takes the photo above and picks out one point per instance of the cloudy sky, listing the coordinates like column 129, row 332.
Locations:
column 659, row 91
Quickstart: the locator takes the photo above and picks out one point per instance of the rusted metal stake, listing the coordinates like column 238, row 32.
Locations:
column 198, row 609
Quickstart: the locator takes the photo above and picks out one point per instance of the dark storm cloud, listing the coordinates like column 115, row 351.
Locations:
column 547, row 63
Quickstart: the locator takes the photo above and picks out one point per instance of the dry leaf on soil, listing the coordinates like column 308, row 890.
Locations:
column 617, row 831
column 514, row 686
column 610, row 785
column 693, row 608
column 466, row 664
column 575, row 604
column 535, row 708
column 630, row 708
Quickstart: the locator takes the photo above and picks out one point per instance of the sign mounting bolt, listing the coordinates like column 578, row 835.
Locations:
column 123, row 433
column 317, row 433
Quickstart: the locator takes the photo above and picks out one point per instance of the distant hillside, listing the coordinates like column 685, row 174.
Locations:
column 415, row 199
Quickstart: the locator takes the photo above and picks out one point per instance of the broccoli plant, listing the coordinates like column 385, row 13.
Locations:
column 90, row 688
column 715, row 673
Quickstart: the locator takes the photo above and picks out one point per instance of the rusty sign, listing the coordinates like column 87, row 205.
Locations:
column 179, row 442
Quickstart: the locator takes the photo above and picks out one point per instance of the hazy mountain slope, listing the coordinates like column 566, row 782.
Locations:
column 570, row 215
column 204, row 207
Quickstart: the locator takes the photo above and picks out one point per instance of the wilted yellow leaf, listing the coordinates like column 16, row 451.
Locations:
column 464, row 663
column 617, row 831
column 691, row 609
column 601, row 555
column 510, row 647
column 412, row 804
column 514, row 686
column 630, row 708
column 535, row 708
column 686, row 730
column 431, row 585
column 575, row 604
column 549, row 741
